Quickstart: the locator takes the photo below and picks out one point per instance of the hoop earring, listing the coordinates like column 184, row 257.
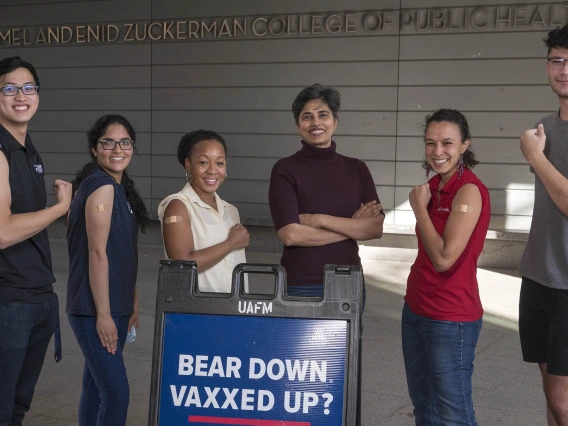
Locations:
column 188, row 176
column 461, row 167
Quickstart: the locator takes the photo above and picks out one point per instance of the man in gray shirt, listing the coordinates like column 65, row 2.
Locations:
column 543, row 307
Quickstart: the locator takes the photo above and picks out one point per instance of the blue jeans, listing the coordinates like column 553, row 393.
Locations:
column 438, row 358
column 105, row 392
column 25, row 332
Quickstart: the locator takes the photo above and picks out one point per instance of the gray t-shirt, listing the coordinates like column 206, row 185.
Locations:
column 545, row 259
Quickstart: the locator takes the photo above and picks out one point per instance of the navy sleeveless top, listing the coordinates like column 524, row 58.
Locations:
column 25, row 268
column 122, row 250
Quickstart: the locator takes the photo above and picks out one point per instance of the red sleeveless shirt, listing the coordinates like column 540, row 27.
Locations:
column 452, row 295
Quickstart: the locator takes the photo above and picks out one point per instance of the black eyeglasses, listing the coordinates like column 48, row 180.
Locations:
column 28, row 89
column 110, row 144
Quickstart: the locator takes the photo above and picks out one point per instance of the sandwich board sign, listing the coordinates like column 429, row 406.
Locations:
column 248, row 359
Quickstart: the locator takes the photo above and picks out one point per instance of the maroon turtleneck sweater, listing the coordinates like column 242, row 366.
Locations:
column 318, row 180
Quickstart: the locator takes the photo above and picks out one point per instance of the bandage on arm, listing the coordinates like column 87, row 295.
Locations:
column 176, row 230
column 172, row 219
column 463, row 208
column 104, row 207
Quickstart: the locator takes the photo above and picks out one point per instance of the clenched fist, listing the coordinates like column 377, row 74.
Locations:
column 419, row 197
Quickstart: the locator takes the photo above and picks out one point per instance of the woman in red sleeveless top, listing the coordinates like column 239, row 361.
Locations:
column 441, row 318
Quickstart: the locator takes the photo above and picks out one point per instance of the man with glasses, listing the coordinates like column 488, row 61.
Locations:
column 29, row 309
column 543, row 306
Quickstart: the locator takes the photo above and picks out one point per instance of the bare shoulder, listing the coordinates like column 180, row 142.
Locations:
column 102, row 193
column 176, row 207
column 469, row 191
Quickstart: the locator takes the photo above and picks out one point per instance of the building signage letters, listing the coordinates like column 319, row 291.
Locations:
column 404, row 21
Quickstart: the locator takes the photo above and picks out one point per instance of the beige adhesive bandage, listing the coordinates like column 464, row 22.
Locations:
column 463, row 208
column 101, row 208
column 172, row 219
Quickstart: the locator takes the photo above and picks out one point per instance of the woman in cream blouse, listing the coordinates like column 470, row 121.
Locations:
column 196, row 223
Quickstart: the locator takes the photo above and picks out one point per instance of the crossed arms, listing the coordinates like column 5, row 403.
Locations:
column 320, row 229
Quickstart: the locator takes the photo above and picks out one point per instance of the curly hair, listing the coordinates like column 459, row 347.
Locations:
column 329, row 95
column 190, row 140
column 557, row 38
column 455, row 117
column 93, row 135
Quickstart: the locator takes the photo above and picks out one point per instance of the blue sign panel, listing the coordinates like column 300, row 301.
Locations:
column 243, row 370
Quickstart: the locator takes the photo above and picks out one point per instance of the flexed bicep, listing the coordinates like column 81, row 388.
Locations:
column 464, row 215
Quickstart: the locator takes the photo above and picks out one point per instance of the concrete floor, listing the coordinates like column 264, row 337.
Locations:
column 506, row 390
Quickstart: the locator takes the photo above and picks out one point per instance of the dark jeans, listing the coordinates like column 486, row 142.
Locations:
column 105, row 392
column 438, row 358
column 25, row 332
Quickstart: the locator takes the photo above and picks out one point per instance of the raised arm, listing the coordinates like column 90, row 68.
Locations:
column 98, row 216
column 556, row 185
column 444, row 250
column 179, row 243
column 15, row 228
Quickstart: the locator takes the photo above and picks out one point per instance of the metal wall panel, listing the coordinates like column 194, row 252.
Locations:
column 472, row 46
column 477, row 98
column 279, row 75
column 170, row 8
column 472, row 72
column 78, row 121
column 266, row 98
column 75, row 12
column 98, row 99
column 344, row 49
column 88, row 55
column 95, row 77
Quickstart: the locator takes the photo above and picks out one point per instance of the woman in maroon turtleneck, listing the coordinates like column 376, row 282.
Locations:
column 321, row 202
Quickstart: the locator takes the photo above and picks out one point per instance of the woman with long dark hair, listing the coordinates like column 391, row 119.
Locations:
column 102, row 304
column 441, row 318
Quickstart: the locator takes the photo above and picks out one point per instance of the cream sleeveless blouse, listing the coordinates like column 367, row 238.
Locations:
column 209, row 227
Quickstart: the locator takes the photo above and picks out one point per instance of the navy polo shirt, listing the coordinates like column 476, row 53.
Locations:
column 121, row 250
column 26, row 273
